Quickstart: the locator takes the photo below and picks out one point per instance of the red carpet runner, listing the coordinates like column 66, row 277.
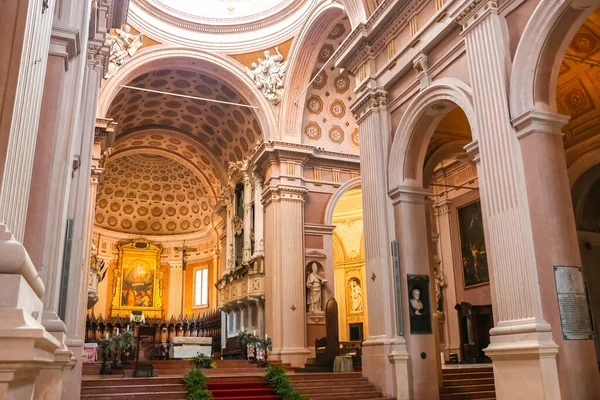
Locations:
column 241, row 391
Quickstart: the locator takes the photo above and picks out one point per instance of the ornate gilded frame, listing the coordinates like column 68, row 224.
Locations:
column 129, row 252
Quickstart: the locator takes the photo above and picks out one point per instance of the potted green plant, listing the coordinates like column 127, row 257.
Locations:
column 128, row 340
column 105, row 346
column 242, row 342
column 202, row 361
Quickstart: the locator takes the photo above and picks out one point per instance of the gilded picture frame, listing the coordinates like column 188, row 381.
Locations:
column 138, row 280
column 473, row 253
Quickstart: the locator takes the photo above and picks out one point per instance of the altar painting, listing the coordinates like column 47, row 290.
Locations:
column 137, row 289
column 137, row 280
column 472, row 245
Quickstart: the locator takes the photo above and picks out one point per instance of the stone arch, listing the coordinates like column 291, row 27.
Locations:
column 353, row 183
column 582, row 165
column 164, row 56
column 440, row 154
column 302, row 59
column 414, row 132
column 540, row 52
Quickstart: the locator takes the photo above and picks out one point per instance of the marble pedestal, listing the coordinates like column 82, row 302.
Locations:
column 188, row 347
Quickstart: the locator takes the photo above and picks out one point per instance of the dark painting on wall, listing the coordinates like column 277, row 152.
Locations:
column 472, row 245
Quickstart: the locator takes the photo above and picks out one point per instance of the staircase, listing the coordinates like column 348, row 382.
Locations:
column 334, row 386
column 468, row 383
column 231, row 380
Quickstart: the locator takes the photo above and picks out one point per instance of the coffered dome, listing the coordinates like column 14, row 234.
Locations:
column 152, row 195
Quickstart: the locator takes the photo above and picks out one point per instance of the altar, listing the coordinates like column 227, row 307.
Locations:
column 188, row 347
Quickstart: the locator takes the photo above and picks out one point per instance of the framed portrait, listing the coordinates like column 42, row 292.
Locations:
column 472, row 245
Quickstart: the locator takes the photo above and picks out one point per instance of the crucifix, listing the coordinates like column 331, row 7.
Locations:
column 184, row 257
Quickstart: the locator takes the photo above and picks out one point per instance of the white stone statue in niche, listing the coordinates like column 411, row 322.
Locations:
column 268, row 75
column 314, row 283
column 415, row 302
column 122, row 44
column 356, row 296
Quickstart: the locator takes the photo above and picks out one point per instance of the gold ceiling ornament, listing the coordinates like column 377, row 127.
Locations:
column 138, row 282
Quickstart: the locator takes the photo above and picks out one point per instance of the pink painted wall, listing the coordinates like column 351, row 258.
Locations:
column 314, row 207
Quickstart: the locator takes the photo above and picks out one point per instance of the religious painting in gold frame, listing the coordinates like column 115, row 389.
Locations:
column 472, row 245
column 138, row 280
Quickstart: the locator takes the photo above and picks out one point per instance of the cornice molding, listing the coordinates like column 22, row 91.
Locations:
column 65, row 43
column 318, row 229
column 369, row 101
column 409, row 194
column 539, row 121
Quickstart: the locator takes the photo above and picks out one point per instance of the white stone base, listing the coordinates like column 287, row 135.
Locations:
column 528, row 358
column 385, row 364
column 189, row 351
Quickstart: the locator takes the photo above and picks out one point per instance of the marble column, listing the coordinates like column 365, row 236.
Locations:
column 81, row 210
column 25, row 59
column 259, row 216
column 175, row 293
column 385, row 356
column 229, row 251
column 247, row 205
column 555, row 241
column 413, row 236
column 451, row 328
column 522, row 347
column 214, row 276
column 284, row 268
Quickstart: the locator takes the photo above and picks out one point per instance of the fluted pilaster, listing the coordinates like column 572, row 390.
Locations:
column 286, row 292
column 20, row 127
column 374, row 129
column 247, row 249
column 503, row 193
column 259, row 216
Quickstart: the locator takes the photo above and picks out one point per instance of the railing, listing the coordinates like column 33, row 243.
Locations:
column 205, row 325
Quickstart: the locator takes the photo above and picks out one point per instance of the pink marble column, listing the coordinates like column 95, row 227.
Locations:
column 555, row 241
column 25, row 39
column 413, row 236
column 384, row 352
column 285, row 291
column 522, row 346
column 25, row 345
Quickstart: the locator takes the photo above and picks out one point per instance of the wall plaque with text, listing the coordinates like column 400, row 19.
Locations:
column 573, row 303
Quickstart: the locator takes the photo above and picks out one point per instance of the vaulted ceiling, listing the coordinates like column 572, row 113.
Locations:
column 171, row 152
column 578, row 88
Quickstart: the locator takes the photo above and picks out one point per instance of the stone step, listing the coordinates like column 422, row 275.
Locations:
column 468, row 395
column 468, row 388
column 335, row 389
column 328, row 376
column 346, row 396
column 469, row 375
column 131, row 381
column 466, row 370
column 465, row 382
column 242, row 392
column 178, row 395
column 123, row 389
column 330, row 383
